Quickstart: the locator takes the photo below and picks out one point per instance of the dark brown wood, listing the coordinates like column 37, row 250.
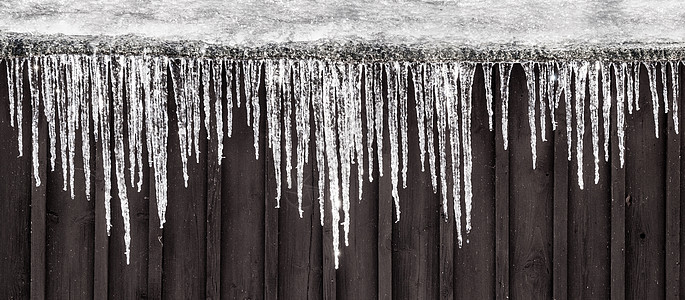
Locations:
column 673, row 173
column 474, row 262
column 502, row 197
column 385, row 213
column 248, row 237
column 415, row 243
column 357, row 277
column 213, row 254
column 618, row 206
column 531, row 191
column 125, row 281
column 588, row 216
column 645, row 208
column 561, row 190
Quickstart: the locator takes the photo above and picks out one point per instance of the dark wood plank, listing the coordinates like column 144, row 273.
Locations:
column 22, row 203
column 385, row 211
column 588, row 217
column 101, row 239
column 245, row 198
column 155, row 245
column 618, row 206
column 475, row 260
column 531, row 212
column 561, row 188
column 213, row 254
column 183, row 254
column 502, row 198
column 645, row 208
column 126, row 281
column 673, row 173
column 70, row 232
column 358, row 271
column 415, row 243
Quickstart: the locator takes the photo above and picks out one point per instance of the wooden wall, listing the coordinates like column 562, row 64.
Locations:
column 535, row 234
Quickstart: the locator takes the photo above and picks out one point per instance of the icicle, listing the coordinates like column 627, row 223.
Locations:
column 247, row 76
column 63, row 117
column 228, row 77
column 195, row 71
column 594, row 69
column 402, row 91
column 161, row 119
column 445, row 107
column 179, row 87
column 48, row 69
column 286, row 67
column 329, row 113
column 117, row 89
column 72, row 119
column 219, row 110
column 449, row 116
column 530, row 83
column 319, row 92
column 392, row 71
column 84, row 123
column 487, row 77
column 358, row 131
column 620, row 69
column 11, row 79
column 606, row 106
column 552, row 97
column 636, row 85
column 542, row 86
column 504, row 74
column 466, row 79
column 101, row 79
column 35, row 114
column 664, row 86
column 273, row 112
column 675, row 94
column 345, row 145
column 206, row 64
column 370, row 129
column 417, row 78
column 301, row 81
column 581, row 70
column 19, row 88
column 629, row 86
column 565, row 72
column 429, row 76
column 255, row 70
column 377, row 83
column 651, row 73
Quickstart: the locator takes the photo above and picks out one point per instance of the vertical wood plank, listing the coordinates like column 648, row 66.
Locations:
column 270, row 218
column 126, row 281
column 183, row 254
column 358, row 272
column 475, row 260
column 245, row 199
column 618, row 213
column 561, row 185
column 588, row 217
column 645, row 207
column 19, row 200
column 385, row 210
column 101, row 239
column 415, row 243
column 501, row 202
column 673, row 173
column 155, row 244
column 38, row 200
column 213, row 254
column 531, row 206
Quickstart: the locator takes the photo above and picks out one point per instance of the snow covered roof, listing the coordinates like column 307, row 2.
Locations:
column 434, row 30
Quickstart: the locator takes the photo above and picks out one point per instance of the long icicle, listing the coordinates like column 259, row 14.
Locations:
column 504, row 75
column 19, row 88
column 529, row 68
column 447, row 107
column 35, row 115
column 417, row 79
column 487, row 76
column 675, row 94
column 392, row 71
column 651, row 73
column 581, row 70
column 466, row 80
column 620, row 71
column 429, row 110
column 606, row 106
column 594, row 70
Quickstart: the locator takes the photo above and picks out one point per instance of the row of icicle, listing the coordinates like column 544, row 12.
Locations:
column 346, row 99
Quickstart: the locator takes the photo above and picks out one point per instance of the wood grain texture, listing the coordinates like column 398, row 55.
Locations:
column 618, row 211
column 474, row 262
column 502, row 198
column 561, row 198
column 645, row 208
column 531, row 192
column 25, row 203
column 673, row 206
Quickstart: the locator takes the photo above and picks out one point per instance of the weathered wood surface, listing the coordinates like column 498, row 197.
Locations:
column 535, row 233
